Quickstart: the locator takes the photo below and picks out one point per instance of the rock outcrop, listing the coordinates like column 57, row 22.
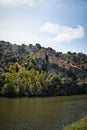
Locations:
column 46, row 59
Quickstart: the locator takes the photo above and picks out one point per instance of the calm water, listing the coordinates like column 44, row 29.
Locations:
column 41, row 113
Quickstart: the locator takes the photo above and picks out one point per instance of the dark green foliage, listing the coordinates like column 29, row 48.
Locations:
column 38, row 46
column 78, row 59
column 54, row 84
column 82, row 86
column 67, row 85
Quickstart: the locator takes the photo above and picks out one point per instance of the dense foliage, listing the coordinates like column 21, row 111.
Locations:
column 37, row 71
column 19, row 81
column 79, row 125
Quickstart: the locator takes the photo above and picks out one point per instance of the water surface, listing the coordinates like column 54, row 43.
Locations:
column 41, row 113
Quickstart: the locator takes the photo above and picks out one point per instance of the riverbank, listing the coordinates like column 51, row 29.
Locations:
column 78, row 125
column 26, row 96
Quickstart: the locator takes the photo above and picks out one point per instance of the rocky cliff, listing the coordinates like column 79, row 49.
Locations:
column 46, row 59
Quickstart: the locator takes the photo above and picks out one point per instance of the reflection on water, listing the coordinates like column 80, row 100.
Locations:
column 41, row 113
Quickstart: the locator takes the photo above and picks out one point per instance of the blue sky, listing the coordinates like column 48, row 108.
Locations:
column 60, row 24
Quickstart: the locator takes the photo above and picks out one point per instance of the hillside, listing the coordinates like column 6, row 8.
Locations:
column 64, row 74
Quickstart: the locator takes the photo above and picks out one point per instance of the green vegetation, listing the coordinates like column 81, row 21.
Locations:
column 79, row 125
column 20, row 81
column 37, row 71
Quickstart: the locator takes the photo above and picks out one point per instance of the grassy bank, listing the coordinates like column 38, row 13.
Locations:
column 79, row 125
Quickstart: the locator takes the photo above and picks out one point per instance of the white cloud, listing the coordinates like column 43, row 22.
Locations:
column 16, row 2
column 58, row 33
column 26, row 2
column 47, row 3
column 50, row 28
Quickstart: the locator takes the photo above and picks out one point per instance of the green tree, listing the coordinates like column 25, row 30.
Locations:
column 10, row 87
column 82, row 86
column 54, row 84
column 67, row 85
column 41, row 83
column 32, row 58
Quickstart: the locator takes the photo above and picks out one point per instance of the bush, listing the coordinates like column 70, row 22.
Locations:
column 79, row 125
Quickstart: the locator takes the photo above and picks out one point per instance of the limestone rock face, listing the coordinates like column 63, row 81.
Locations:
column 47, row 59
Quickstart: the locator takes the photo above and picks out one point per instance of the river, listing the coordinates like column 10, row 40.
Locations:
column 41, row 113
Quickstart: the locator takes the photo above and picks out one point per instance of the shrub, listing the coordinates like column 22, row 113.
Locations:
column 79, row 125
